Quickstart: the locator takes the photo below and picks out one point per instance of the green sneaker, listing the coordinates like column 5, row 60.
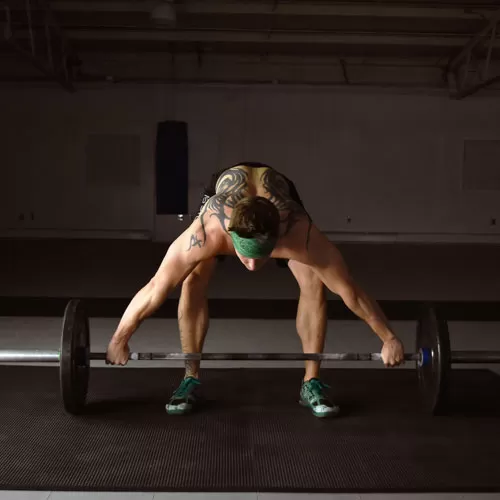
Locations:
column 312, row 396
column 184, row 398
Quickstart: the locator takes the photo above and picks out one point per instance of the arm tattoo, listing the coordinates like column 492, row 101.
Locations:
column 195, row 242
column 215, row 203
column 279, row 191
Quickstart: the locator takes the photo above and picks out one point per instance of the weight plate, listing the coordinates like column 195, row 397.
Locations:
column 432, row 334
column 75, row 357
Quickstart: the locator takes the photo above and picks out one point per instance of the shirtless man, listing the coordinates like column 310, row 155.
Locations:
column 254, row 212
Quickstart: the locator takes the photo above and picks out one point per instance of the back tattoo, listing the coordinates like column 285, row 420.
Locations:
column 231, row 187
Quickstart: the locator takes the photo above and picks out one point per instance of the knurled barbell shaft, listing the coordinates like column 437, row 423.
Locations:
column 212, row 356
column 346, row 356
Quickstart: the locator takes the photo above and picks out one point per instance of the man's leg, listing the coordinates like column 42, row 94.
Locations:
column 193, row 312
column 311, row 314
column 311, row 327
column 193, row 325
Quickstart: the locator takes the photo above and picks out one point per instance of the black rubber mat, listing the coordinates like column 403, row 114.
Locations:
column 251, row 435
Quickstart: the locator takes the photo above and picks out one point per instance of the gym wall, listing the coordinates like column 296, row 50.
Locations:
column 371, row 168
column 389, row 186
column 398, row 167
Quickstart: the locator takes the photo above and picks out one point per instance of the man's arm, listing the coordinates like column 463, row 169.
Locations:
column 182, row 257
column 331, row 268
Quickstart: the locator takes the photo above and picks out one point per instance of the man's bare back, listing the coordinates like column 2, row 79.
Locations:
column 239, row 182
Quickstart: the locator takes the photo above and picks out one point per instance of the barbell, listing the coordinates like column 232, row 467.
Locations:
column 433, row 357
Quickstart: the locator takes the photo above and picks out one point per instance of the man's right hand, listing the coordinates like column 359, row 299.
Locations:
column 393, row 352
column 117, row 353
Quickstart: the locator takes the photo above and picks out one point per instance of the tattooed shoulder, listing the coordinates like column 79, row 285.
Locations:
column 279, row 194
column 277, row 189
column 233, row 185
column 213, row 207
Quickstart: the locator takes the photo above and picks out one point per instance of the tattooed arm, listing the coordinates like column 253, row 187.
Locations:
column 182, row 257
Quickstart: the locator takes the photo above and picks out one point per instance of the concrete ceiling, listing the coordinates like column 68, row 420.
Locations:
column 383, row 43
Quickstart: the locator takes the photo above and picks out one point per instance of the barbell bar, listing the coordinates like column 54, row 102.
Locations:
column 54, row 356
column 433, row 357
column 472, row 357
column 39, row 356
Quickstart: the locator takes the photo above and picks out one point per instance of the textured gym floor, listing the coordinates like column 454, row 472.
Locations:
column 26, row 333
column 43, row 495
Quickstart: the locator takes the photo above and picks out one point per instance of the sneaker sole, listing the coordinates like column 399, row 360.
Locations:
column 176, row 411
column 333, row 413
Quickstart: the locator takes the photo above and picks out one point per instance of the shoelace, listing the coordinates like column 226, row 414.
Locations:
column 186, row 387
column 316, row 387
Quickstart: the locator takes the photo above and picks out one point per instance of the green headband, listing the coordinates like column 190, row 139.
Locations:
column 253, row 248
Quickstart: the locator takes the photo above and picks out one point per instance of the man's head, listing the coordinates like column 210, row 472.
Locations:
column 254, row 229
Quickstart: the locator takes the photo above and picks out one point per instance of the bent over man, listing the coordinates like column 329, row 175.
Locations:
column 254, row 212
